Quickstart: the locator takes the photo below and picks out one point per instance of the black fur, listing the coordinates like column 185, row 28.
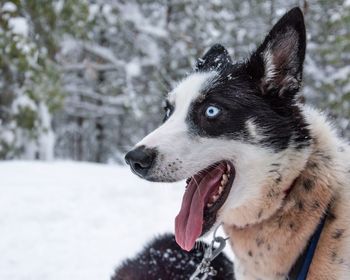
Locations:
column 163, row 259
column 287, row 37
column 215, row 59
column 244, row 91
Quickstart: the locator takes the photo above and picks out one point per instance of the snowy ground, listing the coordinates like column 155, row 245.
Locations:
column 77, row 221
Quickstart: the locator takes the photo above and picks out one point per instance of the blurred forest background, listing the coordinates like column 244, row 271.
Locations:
column 84, row 80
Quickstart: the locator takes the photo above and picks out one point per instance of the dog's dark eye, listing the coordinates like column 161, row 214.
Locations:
column 212, row 112
column 168, row 108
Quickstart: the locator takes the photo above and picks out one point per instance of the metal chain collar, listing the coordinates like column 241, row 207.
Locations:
column 204, row 268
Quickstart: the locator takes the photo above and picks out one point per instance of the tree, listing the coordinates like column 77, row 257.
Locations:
column 99, row 68
column 30, row 83
column 327, row 66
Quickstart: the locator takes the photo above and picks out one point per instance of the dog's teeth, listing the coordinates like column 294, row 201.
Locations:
column 209, row 205
column 228, row 168
column 224, row 179
column 215, row 197
column 221, row 188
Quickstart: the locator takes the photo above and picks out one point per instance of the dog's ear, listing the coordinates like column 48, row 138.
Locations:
column 214, row 59
column 277, row 64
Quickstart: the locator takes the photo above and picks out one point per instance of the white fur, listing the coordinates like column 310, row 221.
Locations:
column 175, row 129
column 182, row 155
column 270, row 68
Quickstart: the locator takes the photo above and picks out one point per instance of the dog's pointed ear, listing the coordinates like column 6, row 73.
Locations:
column 277, row 64
column 214, row 59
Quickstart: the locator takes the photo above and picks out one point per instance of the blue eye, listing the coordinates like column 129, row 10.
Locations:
column 212, row 112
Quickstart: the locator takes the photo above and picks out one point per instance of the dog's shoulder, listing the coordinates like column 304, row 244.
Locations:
column 332, row 164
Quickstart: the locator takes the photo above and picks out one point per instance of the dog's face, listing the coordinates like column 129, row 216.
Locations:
column 235, row 131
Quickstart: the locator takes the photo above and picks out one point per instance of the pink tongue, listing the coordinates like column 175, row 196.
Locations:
column 189, row 221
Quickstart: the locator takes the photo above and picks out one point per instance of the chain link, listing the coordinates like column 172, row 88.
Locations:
column 204, row 268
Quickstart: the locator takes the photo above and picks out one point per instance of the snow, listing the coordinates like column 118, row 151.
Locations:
column 93, row 11
column 341, row 74
column 9, row 7
column 133, row 68
column 66, row 220
column 68, row 45
column 104, row 53
column 23, row 101
column 132, row 13
column 7, row 136
column 19, row 25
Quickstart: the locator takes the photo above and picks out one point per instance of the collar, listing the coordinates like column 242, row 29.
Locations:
column 301, row 267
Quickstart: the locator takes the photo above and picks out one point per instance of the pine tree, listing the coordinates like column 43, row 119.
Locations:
column 30, row 83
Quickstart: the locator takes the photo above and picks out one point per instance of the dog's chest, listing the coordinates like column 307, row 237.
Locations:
column 261, row 252
column 269, row 250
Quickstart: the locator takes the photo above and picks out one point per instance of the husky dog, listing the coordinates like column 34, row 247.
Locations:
column 260, row 162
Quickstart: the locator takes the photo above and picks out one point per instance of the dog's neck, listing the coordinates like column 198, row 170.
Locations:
column 268, row 249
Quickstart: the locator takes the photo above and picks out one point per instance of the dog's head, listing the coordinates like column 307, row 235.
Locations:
column 236, row 131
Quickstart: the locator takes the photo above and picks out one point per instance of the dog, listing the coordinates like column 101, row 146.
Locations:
column 163, row 259
column 269, row 168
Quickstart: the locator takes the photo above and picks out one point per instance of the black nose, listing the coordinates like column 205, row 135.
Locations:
column 140, row 160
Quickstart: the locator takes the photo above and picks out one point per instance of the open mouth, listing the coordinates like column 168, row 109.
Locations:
column 205, row 194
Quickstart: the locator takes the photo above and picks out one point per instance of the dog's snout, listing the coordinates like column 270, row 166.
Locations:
column 140, row 160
